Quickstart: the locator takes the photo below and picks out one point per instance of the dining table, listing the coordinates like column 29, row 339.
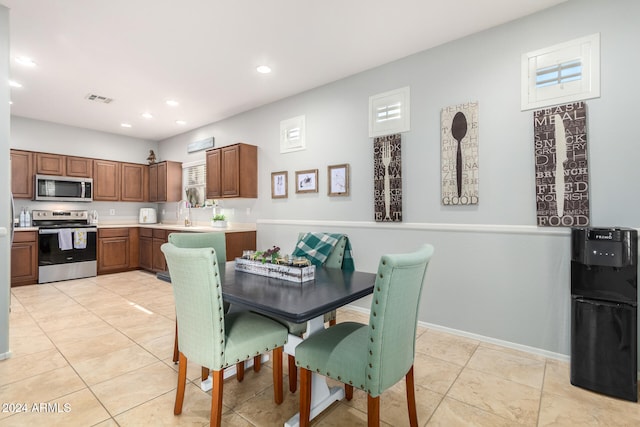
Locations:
column 330, row 289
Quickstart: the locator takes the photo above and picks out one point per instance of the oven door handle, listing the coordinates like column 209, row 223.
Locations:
column 56, row 230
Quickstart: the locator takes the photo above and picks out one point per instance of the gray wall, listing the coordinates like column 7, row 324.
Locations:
column 5, row 186
column 494, row 274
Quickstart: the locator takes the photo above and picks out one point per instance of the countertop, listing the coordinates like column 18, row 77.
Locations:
column 230, row 228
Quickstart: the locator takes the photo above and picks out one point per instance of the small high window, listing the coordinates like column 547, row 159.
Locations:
column 389, row 112
column 560, row 74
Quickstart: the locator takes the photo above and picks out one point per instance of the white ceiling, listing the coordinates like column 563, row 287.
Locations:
column 204, row 53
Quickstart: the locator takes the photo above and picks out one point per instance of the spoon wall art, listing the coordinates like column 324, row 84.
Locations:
column 459, row 154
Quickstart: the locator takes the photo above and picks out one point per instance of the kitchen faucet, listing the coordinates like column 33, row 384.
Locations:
column 187, row 219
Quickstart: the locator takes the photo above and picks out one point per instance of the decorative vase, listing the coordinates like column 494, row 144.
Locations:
column 219, row 224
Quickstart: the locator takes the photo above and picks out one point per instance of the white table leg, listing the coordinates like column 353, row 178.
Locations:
column 321, row 395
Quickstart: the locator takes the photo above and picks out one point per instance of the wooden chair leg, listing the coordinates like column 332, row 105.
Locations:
column 305, row 397
column 216, row 398
column 182, row 381
column 204, row 373
column 293, row 374
column 411, row 398
column 373, row 411
column 240, row 371
column 175, row 345
column 277, row 375
column 332, row 322
column 348, row 391
column 257, row 363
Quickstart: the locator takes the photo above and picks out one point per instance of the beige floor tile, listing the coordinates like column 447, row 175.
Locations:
column 452, row 413
column 236, row 393
column 113, row 364
column 433, row 373
column 42, row 388
column 447, row 347
column 20, row 368
column 30, row 339
column 393, row 404
column 508, row 365
column 78, row 350
column 80, row 408
column 122, row 393
column 196, row 410
column 161, row 346
column 261, row 410
column 587, row 409
column 341, row 415
column 516, row 402
column 77, row 319
column 80, row 331
column 232, row 419
column 153, row 326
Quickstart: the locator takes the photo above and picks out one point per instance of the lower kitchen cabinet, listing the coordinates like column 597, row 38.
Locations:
column 115, row 250
column 239, row 241
column 151, row 256
column 24, row 258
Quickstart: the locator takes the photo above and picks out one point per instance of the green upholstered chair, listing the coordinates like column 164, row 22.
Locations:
column 199, row 240
column 372, row 357
column 208, row 336
column 334, row 260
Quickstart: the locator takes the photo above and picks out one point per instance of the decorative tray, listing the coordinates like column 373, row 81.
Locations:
column 290, row 273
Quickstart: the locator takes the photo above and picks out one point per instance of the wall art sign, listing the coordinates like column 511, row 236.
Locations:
column 387, row 179
column 459, row 154
column 562, row 175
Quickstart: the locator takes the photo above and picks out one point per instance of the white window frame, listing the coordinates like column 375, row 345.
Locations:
column 585, row 49
column 292, row 134
column 390, row 112
column 202, row 187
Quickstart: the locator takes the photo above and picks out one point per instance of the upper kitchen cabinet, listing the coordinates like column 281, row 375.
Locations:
column 106, row 180
column 134, row 182
column 81, row 167
column 50, row 164
column 22, row 184
column 165, row 182
column 232, row 171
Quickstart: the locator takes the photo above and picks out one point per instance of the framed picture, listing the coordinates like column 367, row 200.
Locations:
column 307, row 181
column 338, row 180
column 279, row 185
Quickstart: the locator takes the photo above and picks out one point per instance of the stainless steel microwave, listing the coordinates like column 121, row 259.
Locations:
column 63, row 188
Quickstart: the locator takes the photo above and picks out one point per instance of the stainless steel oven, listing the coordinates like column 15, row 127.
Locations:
column 67, row 245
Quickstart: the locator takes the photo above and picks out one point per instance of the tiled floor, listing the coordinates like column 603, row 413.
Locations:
column 101, row 350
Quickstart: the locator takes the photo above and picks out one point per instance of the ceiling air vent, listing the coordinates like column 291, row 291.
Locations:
column 98, row 98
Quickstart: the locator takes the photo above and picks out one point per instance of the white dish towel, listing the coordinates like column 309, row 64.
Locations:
column 64, row 239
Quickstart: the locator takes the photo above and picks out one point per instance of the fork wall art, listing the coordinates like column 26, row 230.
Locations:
column 387, row 179
column 459, row 154
column 562, row 176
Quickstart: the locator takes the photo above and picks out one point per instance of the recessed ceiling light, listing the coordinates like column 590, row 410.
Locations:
column 10, row 102
column 181, row 122
column 263, row 69
column 13, row 83
column 26, row 61
column 147, row 115
column 125, row 125
column 172, row 103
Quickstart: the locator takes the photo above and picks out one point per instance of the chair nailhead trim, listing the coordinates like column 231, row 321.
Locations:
column 370, row 365
column 369, row 376
column 339, row 379
column 328, row 374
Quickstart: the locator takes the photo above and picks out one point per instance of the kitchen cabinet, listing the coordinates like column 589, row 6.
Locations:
column 117, row 249
column 239, row 241
column 165, row 182
column 151, row 256
column 81, row 167
column 106, row 180
column 22, row 184
column 232, row 171
column 134, row 182
column 24, row 258
column 50, row 164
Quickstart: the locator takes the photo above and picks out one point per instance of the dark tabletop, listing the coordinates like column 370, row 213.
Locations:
column 330, row 290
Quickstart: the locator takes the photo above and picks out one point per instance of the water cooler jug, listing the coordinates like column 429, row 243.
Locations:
column 604, row 311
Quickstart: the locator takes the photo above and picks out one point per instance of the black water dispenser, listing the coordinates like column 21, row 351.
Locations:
column 604, row 311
